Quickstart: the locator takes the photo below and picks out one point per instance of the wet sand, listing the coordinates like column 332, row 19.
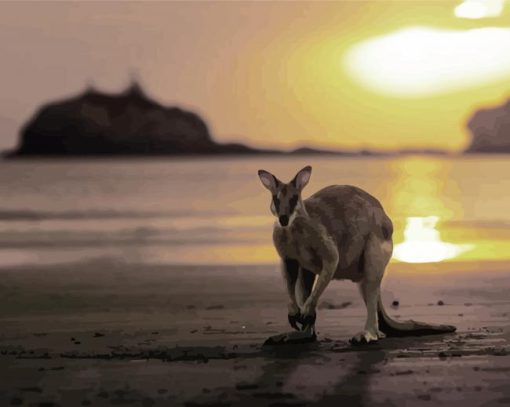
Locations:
column 107, row 333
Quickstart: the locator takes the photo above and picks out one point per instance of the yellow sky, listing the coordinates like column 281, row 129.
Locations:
column 265, row 73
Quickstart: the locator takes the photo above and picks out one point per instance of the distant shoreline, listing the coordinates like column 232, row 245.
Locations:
column 251, row 152
column 340, row 155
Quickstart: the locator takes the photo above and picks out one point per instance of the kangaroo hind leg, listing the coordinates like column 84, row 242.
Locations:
column 376, row 256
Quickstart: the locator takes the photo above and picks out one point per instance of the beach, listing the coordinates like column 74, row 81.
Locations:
column 107, row 333
column 160, row 160
column 155, row 282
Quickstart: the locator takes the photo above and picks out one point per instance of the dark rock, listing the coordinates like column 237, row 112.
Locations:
column 129, row 123
column 98, row 335
column 490, row 130
column 403, row 372
column 212, row 307
column 440, row 302
column 395, row 303
column 247, row 386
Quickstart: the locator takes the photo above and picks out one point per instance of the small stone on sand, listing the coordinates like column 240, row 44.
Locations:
column 211, row 307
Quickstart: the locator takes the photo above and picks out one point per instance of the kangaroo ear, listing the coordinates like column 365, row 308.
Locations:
column 268, row 180
column 302, row 177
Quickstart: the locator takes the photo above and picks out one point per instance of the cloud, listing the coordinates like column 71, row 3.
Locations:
column 423, row 61
column 476, row 9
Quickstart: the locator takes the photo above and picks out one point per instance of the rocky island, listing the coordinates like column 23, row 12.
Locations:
column 490, row 130
column 128, row 123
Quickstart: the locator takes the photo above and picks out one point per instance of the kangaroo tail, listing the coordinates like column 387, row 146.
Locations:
column 409, row 327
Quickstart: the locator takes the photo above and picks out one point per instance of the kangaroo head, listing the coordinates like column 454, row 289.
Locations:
column 286, row 197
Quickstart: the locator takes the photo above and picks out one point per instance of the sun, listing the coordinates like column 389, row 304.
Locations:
column 424, row 61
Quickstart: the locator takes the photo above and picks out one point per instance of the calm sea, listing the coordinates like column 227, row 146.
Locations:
column 203, row 211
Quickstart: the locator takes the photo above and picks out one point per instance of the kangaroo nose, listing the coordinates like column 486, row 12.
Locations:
column 284, row 220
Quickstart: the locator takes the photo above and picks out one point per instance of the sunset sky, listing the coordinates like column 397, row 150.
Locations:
column 334, row 74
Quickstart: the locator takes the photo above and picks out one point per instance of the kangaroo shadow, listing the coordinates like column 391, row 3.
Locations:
column 357, row 367
column 353, row 389
column 272, row 385
column 344, row 374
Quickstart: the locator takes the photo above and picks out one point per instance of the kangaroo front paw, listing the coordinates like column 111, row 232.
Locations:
column 301, row 322
column 307, row 320
column 293, row 321
column 363, row 338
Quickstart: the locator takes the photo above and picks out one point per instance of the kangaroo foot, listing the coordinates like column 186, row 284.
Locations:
column 381, row 334
column 365, row 337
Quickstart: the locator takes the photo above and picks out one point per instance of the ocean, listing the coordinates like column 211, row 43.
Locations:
column 215, row 210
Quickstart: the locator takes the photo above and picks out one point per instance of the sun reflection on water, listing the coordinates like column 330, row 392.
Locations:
column 422, row 243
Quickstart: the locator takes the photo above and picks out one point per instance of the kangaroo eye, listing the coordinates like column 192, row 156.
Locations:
column 276, row 202
column 293, row 202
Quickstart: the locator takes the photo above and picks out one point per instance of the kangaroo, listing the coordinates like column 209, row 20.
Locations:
column 340, row 232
